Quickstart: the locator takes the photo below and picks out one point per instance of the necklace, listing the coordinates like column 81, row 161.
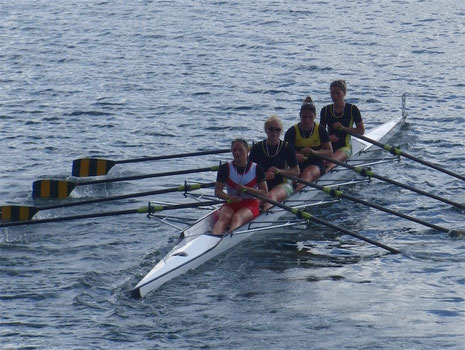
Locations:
column 241, row 168
column 267, row 152
column 303, row 133
column 342, row 111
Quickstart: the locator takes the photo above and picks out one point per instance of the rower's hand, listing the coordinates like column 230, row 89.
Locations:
column 307, row 151
column 333, row 138
column 234, row 199
column 270, row 174
column 241, row 189
column 300, row 157
column 338, row 126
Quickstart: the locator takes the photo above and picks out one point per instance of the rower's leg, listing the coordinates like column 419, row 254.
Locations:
column 310, row 174
column 242, row 216
column 340, row 155
column 226, row 213
column 277, row 194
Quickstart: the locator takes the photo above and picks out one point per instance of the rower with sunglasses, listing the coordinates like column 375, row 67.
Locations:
column 276, row 157
column 309, row 140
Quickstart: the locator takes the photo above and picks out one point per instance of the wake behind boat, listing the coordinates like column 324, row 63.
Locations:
column 196, row 244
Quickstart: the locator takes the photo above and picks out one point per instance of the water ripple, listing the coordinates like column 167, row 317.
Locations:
column 130, row 79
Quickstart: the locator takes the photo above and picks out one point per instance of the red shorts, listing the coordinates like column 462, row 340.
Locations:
column 252, row 204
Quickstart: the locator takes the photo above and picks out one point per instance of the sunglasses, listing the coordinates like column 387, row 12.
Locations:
column 274, row 129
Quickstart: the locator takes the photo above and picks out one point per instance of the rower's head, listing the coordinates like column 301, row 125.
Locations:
column 307, row 113
column 338, row 90
column 273, row 127
column 240, row 150
column 308, row 105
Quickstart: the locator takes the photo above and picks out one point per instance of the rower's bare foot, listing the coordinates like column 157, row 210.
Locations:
column 266, row 207
column 219, row 234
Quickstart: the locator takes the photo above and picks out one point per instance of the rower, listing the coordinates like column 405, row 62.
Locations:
column 236, row 175
column 340, row 117
column 277, row 158
column 309, row 140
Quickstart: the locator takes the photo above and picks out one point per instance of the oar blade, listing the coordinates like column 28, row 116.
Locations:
column 457, row 233
column 91, row 167
column 52, row 188
column 17, row 212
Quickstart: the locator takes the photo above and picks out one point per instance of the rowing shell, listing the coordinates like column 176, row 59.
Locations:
column 197, row 245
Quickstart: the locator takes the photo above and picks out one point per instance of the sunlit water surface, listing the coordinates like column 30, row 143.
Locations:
column 129, row 79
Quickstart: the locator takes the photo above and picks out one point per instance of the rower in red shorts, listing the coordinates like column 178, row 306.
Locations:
column 236, row 175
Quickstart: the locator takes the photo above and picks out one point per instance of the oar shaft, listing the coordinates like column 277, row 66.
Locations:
column 142, row 210
column 354, row 234
column 398, row 152
column 340, row 194
column 369, row 173
column 307, row 216
column 96, row 166
column 63, row 188
column 147, row 176
column 183, row 188
column 156, row 208
column 173, row 156
column 18, row 212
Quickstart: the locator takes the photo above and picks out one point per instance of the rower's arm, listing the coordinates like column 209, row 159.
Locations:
column 325, row 150
column 359, row 128
column 262, row 188
column 219, row 191
column 294, row 171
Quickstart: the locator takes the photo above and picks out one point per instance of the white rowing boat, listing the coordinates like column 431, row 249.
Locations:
column 197, row 245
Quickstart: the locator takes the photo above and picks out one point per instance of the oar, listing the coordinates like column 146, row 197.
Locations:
column 398, row 152
column 141, row 210
column 368, row 173
column 307, row 216
column 339, row 194
column 97, row 166
column 62, row 188
column 19, row 213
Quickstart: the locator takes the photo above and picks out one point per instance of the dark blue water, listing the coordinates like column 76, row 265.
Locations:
column 129, row 79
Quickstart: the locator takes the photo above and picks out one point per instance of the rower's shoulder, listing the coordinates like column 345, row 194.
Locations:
column 351, row 106
column 256, row 145
column 290, row 133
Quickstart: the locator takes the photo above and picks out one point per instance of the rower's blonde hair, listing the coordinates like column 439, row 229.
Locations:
column 271, row 119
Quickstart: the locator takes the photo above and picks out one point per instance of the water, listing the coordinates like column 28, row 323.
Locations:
column 129, row 79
